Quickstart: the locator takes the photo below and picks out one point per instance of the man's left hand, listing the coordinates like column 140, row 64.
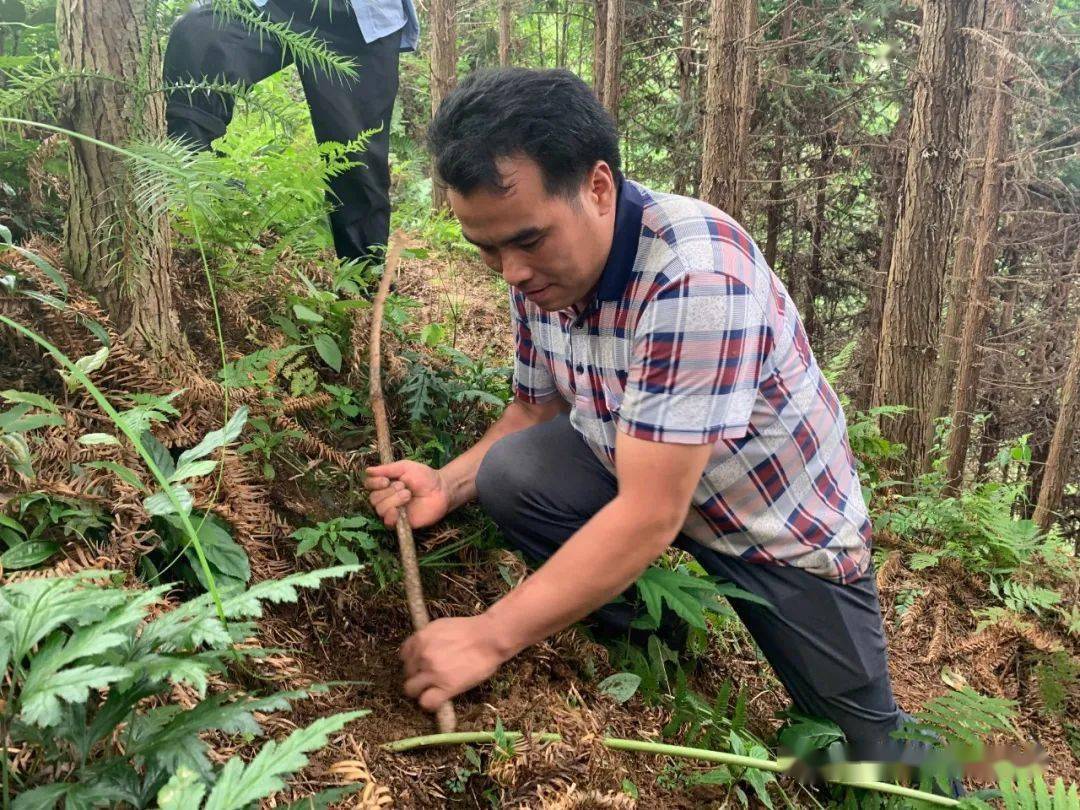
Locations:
column 450, row 656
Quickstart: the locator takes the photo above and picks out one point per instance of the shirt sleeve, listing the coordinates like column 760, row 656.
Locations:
column 698, row 351
column 532, row 377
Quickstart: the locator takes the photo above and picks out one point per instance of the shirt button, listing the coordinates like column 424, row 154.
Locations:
column 580, row 368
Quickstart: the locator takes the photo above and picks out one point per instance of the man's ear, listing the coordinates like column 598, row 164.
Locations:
column 601, row 190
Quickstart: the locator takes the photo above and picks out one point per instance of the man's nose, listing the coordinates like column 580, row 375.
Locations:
column 515, row 271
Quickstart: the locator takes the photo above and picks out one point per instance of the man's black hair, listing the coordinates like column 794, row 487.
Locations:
column 548, row 116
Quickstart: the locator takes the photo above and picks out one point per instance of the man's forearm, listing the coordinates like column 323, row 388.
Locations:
column 460, row 474
column 599, row 562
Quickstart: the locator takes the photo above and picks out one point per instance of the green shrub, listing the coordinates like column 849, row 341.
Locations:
column 90, row 668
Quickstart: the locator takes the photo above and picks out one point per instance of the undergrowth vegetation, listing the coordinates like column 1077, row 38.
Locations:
column 148, row 519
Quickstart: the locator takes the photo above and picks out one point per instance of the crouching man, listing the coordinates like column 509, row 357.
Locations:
column 665, row 393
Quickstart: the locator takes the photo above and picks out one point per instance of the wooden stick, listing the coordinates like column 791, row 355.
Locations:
column 414, row 591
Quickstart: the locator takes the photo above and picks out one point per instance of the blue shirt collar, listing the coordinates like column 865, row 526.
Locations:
column 624, row 243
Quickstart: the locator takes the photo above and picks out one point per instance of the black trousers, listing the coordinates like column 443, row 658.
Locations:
column 825, row 641
column 204, row 46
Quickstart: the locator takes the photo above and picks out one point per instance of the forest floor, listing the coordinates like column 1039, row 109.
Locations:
column 350, row 631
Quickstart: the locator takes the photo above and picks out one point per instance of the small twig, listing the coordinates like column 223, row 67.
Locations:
column 414, row 592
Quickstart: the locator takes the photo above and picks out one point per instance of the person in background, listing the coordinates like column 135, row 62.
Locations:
column 210, row 46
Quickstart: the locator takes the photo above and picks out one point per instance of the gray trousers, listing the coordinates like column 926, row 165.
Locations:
column 825, row 641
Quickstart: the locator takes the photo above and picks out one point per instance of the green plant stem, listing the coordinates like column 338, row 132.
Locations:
column 662, row 749
column 107, row 407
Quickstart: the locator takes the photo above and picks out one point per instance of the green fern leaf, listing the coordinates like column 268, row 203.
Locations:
column 184, row 791
column 683, row 593
column 240, row 784
column 1026, row 789
column 32, row 609
column 40, row 704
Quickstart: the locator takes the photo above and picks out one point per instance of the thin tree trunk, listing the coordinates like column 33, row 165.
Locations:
column 992, row 429
column 814, row 278
column 504, row 33
column 875, row 299
column 687, row 105
column 984, row 256
column 613, row 30
column 443, row 71
column 119, row 254
column 1056, row 471
column 925, row 223
column 599, row 47
column 728, row 102
column 774, row 211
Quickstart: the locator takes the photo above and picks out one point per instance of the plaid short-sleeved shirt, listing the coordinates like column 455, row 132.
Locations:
column 690, row 338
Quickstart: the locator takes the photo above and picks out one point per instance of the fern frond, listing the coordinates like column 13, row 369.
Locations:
column 239, row 785
column 1026, row 789
column 1020, row 597
column 964, row 717
column 33, row 91
column 307, row 50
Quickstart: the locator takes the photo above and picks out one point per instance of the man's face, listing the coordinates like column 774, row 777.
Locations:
column 552, row 248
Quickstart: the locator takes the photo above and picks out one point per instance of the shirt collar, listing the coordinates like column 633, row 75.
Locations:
column 624, row 243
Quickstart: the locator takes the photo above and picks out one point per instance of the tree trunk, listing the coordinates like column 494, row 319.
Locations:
column 599, row 47
column 443, row 71
column 814, row 278
column 993, row 432
column 119, row 254
column 983, row 258
column 774, row 212
column 504, row 33
column 925, row 223
column 875, row 299
column 728, row 102
column 960, row 273
column 687, row 103
column 613, row 34
column 1056, row 471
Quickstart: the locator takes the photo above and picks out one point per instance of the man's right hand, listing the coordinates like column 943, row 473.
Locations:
column 417, row 487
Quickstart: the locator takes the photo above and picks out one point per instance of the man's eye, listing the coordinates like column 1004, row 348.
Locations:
column 532, row 244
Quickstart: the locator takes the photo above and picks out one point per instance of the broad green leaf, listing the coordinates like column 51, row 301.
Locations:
column 37, row 400
column 18, row 453
column 28, row 554
column 433, row 334
column 40, row 798
column 193, row 469
column 96, row 329
column 12, row 524
column 217, row 438
column 159, row 453
column 160, row 504
column 807, row 734
column 328, row 350
column 306, row 314
column 126, row 474
column 97, row 438
column 733, row 591
column 240, row 785
column 621, row 686
column 88, row 365
column 222, row 552
column 33, row 421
